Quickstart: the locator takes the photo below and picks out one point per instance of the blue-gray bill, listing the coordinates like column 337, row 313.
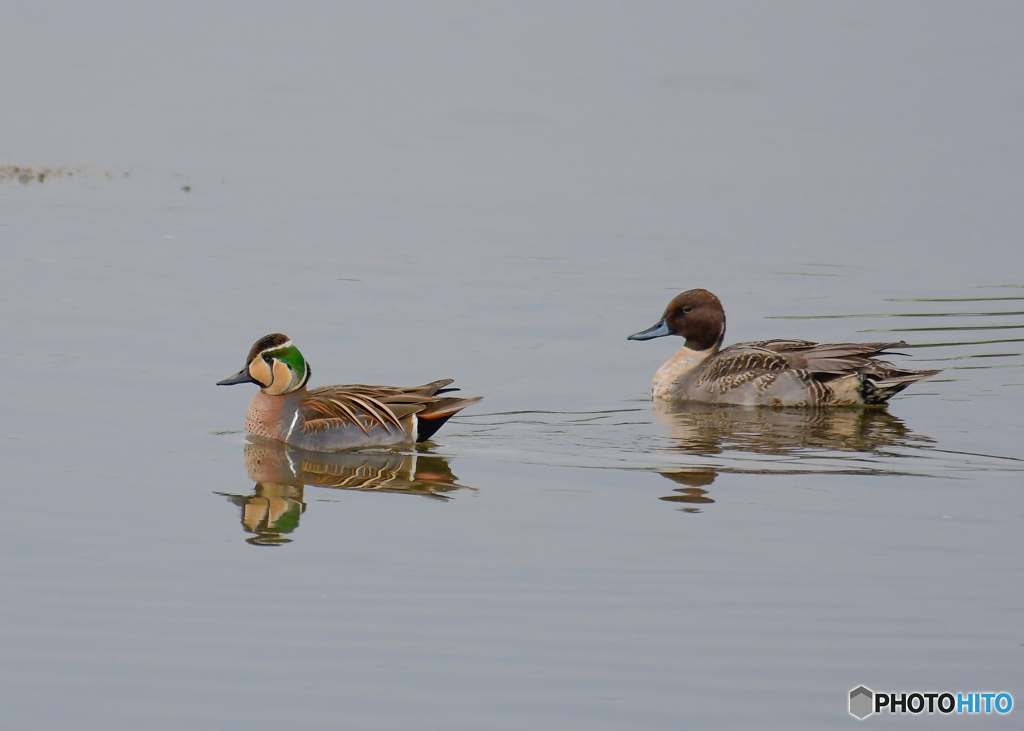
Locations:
column 241, row 377
column 658, row 330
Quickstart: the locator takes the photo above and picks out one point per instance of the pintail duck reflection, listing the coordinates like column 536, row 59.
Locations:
column 691, row 493
column 707, row 429
column 281, row 474
column 766, row 372
column 831, row 440
column 336, row 418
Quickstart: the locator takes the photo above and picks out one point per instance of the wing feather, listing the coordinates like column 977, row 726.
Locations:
column 368, row 407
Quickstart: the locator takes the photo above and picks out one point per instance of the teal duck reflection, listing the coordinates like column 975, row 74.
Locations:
column 281, row 474
column 270, row 513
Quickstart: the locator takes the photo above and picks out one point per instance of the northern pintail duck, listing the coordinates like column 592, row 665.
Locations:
column 335, row 418
column 766, row 372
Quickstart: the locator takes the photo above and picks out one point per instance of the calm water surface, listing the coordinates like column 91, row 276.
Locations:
column 500, row 195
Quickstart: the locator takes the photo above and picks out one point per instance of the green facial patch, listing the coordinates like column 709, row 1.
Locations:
column 292, row 358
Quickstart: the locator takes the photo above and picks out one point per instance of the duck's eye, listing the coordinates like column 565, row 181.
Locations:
column 688, row 308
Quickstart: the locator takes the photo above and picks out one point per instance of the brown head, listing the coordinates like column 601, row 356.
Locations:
column 273, row 364
column 696, row 315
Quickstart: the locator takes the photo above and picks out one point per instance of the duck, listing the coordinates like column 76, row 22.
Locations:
column 336, row 418
column 767, row 372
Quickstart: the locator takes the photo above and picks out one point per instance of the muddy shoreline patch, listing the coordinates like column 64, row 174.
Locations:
column 30, row 174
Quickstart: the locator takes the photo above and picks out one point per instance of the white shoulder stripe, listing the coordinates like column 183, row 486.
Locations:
column 295, row 420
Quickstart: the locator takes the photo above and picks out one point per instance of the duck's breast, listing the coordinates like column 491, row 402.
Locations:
column 270, row 416
column 674, row 378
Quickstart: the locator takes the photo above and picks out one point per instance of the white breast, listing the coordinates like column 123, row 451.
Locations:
column 670, row 375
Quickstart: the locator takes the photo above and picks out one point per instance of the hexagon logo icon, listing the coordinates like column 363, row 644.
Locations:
column 861, row 702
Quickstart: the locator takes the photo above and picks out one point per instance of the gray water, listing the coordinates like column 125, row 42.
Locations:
column 499, row 194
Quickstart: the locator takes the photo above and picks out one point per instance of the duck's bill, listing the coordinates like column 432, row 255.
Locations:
column 659, row 330
column 241, row 377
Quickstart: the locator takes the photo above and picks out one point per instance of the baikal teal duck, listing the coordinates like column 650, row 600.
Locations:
column 767, row 372
column 336, row 418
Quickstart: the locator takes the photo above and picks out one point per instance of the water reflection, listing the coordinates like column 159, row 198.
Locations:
column 281, row 474
column 706, row 429
column 270, row 513
column 799, row 436
column 952, row 315
column 692, row 492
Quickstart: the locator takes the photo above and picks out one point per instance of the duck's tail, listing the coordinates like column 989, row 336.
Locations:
column 438, row 412
column 883, row 381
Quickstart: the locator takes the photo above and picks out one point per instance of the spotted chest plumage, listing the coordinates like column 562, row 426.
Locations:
column 271, row 416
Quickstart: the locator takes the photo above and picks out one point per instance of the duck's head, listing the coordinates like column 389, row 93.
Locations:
column 697, row 315
column 274, row 364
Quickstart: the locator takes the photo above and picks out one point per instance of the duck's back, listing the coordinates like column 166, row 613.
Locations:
column 796, row 373
column 357, row 416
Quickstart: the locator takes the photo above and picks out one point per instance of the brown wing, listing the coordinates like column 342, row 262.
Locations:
column 837, row 359
column 742, row 363
column 333, row 406
column 385, row 406
column 778, row 346
column 812, row 364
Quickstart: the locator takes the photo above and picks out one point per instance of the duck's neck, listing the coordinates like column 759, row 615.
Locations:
column 678, row 367
column 273, row 416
